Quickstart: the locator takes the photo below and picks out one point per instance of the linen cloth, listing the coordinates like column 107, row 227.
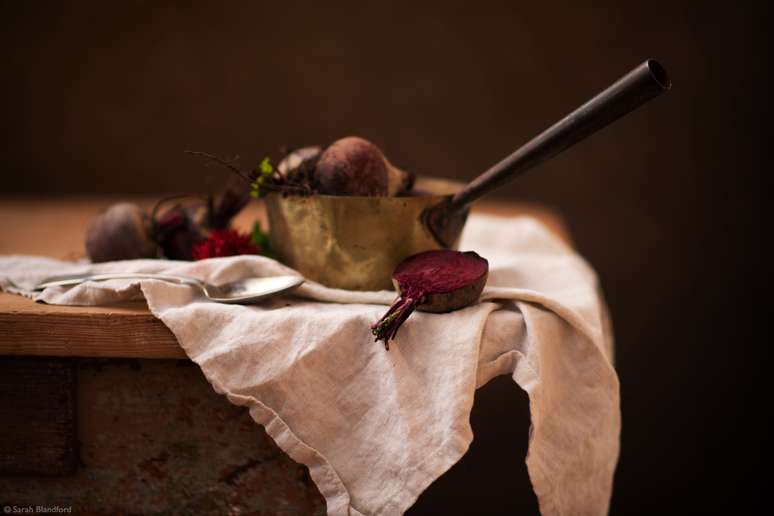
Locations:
column 376, row 427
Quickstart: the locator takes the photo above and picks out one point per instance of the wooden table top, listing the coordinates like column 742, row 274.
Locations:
column 55, row 227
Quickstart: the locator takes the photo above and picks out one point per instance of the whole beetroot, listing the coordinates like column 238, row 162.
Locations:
column 356, row 167
column 432, row 281
column 179, row 229
column 298, row 158
column 122, row 232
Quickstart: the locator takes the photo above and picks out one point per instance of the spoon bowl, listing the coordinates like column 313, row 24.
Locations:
column 243, row 292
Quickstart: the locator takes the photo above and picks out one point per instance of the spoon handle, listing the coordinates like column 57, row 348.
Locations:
column 632, row 90
column 77, row 280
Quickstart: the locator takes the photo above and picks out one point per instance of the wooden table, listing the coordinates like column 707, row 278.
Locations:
column 107, row 418
column 55, row 227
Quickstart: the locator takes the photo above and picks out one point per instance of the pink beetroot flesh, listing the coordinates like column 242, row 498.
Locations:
column 436, row 281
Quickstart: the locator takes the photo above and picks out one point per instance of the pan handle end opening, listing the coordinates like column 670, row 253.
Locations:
column 659, row 74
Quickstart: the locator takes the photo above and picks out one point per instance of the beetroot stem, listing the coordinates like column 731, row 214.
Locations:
column 226, row 163
column 387, row 327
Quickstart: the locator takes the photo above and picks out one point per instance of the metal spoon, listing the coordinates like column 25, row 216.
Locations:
column 245, row 291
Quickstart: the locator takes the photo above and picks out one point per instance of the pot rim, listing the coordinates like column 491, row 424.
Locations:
column 451, row 186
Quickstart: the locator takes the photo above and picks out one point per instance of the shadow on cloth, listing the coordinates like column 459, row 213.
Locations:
column 491, row 478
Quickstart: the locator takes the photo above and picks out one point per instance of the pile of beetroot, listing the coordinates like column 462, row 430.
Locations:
column 199, row 228
column 190, row 230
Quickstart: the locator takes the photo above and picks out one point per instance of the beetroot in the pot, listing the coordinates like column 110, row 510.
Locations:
column 298, row 158
column 354, row 166
column 299, row 168
column 432, row 281
column 123, row 232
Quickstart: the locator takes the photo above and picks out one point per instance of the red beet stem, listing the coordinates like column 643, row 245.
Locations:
column 434, row 281
column 387, row 327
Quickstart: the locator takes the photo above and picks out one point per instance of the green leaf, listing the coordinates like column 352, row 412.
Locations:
column 264, row 173
column 266, row 167
column 255, row 189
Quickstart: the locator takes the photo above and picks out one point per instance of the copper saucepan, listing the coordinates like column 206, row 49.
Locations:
column 356, row 242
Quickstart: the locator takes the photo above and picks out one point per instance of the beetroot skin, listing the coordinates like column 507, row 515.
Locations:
column 352, row 166
column 356, row 167
column 432, row 281
column 122, row 232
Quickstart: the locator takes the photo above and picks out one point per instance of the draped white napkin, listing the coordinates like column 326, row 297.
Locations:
column 376, row 427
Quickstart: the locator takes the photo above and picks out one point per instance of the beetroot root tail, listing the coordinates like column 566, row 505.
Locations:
column 386, row 328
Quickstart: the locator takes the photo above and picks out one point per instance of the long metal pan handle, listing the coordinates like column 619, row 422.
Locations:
column 645, row 82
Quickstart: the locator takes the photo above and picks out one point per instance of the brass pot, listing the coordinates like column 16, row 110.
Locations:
column 355, row 243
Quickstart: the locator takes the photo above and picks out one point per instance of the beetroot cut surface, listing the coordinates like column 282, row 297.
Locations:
column 433, row 281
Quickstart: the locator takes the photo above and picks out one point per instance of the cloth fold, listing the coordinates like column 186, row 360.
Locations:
column 376, row 427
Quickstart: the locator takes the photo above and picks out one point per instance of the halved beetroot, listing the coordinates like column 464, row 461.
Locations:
column 432, row 281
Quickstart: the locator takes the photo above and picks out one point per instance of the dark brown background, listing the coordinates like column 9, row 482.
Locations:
column 666, row 204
